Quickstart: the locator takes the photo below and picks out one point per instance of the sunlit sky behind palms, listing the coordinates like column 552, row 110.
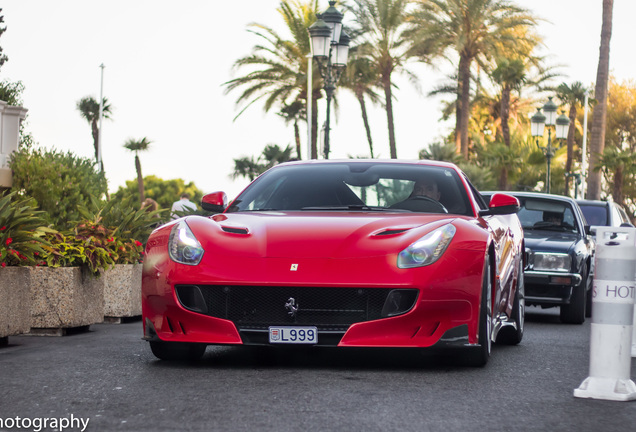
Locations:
column 165, row 63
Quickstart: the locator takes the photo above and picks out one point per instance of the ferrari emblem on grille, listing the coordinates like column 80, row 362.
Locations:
column 292, row 307
column 294, row 267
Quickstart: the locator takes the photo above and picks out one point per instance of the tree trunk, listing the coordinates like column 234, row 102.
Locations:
column 464, row 106
column 95, row 131
column 297, row 136
column 599, row 116
column 365, row 120
column 503, row 179
column 388, row 96
column 570, row 141
column 505, row 114
column 140, row 179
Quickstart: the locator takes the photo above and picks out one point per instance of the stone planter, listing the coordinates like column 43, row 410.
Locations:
column 122, row 292
column 15, row 310
column 64, row 299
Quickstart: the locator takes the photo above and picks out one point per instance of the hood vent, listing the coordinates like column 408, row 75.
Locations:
column 234, row 230
column 392, row 231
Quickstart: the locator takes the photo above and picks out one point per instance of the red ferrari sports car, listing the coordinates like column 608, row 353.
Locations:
column 355, row 253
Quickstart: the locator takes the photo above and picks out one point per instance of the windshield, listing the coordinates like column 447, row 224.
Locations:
column 541, row 214
column 594, row 215
column 356, row 186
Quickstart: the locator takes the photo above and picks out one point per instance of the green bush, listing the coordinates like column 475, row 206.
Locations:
column 125, row 221
column 59, row 182
column 165, row 192
column 22, row 231
column 90, row 245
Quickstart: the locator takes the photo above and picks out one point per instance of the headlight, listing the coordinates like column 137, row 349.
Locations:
column 552, row 261
column 183, row 246
column 428, row 249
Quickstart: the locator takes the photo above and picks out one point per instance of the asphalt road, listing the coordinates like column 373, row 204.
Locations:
column 109, row 377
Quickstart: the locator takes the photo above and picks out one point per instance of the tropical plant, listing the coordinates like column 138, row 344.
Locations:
column 477, row 31
column 599, row 115
column 22, row 230
column 440, row 151
column 382, row 26
column 361, row 77
column 123, row 219
column 11, row 92
column 277, row 68
column 3, row 57
column 165, row 192
column 89, row 110
column 574, row 96
column 136, row 146
column 59, row 182
column 251, row 168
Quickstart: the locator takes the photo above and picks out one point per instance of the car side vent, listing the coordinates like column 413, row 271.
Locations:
column 392, row 231
column 234, row 230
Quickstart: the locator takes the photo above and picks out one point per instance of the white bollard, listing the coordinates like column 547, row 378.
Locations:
column 634, row 335
column 612, row 317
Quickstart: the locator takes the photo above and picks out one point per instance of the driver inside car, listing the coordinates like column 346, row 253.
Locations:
column 554, row 218
column 426, row 188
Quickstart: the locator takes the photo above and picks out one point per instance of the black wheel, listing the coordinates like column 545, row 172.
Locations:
column 479, row 355
column 574, row 313
column 513, row 335
column 177, row 351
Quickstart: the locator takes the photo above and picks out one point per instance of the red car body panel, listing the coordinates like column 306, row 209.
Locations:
column 336, row 249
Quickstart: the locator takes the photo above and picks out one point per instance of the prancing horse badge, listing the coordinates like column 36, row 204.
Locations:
column 294, row 267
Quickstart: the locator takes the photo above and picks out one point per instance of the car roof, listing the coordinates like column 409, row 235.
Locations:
column 425, row 162
column 533, row 195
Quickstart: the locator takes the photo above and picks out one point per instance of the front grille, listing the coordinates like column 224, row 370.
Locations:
column 258, row 307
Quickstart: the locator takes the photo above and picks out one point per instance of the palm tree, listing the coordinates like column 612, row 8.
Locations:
column 361, row 77
column 574, row 96
column 478, row 31
column 383, row 27
column 89, row 109
column 251, row 168
column 617, row 165
column 599, row 116
column 277, row 68
column 137, row 146
column 292, row 113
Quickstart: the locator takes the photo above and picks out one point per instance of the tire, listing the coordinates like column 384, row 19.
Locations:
column 574, row 313
column 177, row 351
column 514, row 335
column 478, row 356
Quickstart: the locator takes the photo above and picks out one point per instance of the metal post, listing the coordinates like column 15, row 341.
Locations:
column 584, row 148
column 329, row 90
column 100, row 165
column 548, row 156
column 310, row 95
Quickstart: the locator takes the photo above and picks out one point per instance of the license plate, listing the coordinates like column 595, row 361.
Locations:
column 293, row 335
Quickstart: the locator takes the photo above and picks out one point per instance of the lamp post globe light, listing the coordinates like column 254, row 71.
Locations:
column 539, row 121
column 330, row 48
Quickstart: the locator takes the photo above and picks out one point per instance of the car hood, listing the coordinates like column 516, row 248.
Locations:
column 550, row 241
column 312, row 234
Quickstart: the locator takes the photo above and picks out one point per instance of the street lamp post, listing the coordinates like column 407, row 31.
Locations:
column 549, row 118
column 330, row 48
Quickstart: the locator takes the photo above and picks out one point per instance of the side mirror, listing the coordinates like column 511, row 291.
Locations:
column 501, row 204
column 214, row 202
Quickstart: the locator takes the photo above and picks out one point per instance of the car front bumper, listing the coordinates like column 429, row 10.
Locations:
column 550, row 288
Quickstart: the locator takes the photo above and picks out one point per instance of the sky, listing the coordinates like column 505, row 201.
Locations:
column 165, row 63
